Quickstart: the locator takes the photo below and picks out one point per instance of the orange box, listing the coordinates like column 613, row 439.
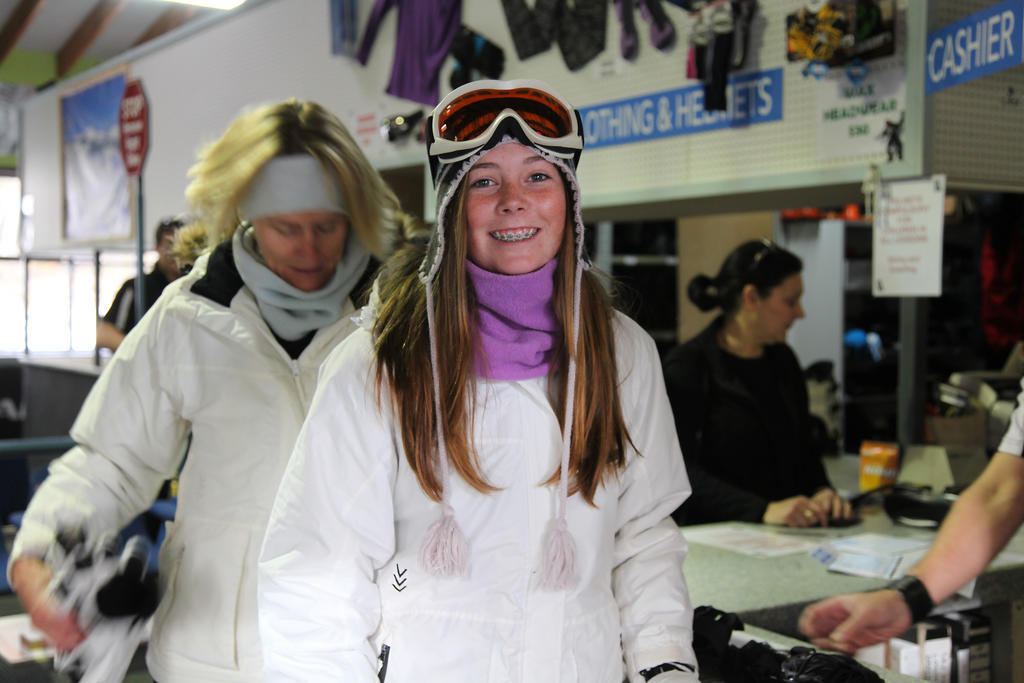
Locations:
column 879, row 464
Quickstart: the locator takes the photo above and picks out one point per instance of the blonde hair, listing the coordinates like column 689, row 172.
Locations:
column 226, row 167
column 189, row 243
column 599, row 433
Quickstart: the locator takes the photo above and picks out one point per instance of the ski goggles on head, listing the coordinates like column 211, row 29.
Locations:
column 472, row 115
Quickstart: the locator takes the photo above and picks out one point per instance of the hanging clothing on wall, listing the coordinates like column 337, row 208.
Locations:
column 1002, row 296
column 711, row 46
column 718, row 44
column 344, row 27
column 628, row 41
column 743, row 16
column 475, row 58
column 662, row 30
column 532, row 29
column 578, row 25
column 426, row 29
column 581, row 30
column 718, row 56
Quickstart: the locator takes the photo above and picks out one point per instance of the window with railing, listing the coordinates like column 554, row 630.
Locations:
column 50, row 305
column 12, row 306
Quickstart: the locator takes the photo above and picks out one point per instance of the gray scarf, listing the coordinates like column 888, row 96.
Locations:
column 290, row 312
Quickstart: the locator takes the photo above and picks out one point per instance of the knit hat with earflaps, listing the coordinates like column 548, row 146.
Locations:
column 445, row 551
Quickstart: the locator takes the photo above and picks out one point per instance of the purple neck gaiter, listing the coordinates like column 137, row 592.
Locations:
column 516, row 321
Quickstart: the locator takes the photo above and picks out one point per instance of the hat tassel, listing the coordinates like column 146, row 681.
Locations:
column 560, row 558
column 444, row 551
column 560, row 551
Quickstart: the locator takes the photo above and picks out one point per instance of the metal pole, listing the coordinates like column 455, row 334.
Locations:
column 140, row 277
column 910, row 393
column 604, row 246
column 25, row 261
column 96, row 302
column 71, row 306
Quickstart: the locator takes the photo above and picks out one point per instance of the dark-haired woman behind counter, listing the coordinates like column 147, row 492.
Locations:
column 740, row 401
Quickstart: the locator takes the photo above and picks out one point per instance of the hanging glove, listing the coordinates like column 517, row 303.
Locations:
column 743, row 15
column 113, row 596
column 628, row 41
column 662, row 30
column 475, row 58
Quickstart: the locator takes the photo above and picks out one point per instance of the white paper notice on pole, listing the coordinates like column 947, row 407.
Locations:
column 907, row 246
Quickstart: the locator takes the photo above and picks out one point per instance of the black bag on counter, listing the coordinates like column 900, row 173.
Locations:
column 758, row 662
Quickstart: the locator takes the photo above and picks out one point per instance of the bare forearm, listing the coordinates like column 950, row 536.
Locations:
column 108, row 336
column 978, row 526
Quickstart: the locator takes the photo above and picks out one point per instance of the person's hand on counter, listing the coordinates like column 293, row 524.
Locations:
column 798, row 511
column 835, row 505
column 30, row 578
column 849, row 622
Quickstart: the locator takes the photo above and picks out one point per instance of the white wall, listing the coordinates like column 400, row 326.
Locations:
column 280, row 48
column 819, row 336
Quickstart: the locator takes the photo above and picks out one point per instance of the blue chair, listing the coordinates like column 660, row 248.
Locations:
column 5, row 587
column 162, row 509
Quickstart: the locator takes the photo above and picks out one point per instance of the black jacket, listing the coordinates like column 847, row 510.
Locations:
column 736, row 466
column 121, row 313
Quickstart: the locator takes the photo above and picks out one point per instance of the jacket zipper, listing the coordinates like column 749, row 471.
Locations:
column 385, row 653
column 293, row 363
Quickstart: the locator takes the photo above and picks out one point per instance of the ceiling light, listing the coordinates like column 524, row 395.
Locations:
column 214, row 4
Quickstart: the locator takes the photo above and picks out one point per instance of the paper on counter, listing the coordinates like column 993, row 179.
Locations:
column 872, row 555
column 863, row 564
column 748, row 541
column 880, row 544
column 11, row 629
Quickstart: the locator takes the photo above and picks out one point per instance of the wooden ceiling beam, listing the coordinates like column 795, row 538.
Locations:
column 21, row 16
column 172, row 18
column 87, row 32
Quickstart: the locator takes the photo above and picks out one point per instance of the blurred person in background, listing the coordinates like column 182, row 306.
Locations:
column 120, row 317
column 229, row 354
column 740, row 399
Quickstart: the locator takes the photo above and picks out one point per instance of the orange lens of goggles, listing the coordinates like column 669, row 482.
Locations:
column 469, row 115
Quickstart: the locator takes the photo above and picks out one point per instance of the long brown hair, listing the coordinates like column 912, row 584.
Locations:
column 599, row 434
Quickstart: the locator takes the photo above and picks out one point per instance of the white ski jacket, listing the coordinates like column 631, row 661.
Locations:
column 342, row 596
column 214, row 369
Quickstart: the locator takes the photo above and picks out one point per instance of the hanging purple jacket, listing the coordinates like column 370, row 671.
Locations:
column 426, row 29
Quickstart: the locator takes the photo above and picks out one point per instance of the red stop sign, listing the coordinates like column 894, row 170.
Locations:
column 132, row 123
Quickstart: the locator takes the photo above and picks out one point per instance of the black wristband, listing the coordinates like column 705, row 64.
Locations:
column 649, row 674
column 915, row 595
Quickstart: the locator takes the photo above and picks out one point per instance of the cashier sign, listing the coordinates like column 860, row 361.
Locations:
column 977, row 45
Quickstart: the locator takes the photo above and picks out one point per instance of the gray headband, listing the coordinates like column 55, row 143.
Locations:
column 289, row 184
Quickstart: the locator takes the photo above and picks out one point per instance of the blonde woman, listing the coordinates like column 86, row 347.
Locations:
column 482, row 489
column 230, row 354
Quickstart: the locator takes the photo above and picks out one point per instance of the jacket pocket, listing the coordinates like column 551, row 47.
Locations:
column 594, row 650
column 198, row 615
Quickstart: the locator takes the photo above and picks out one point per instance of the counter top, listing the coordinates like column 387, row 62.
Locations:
column 79, row 364
column 770, row 592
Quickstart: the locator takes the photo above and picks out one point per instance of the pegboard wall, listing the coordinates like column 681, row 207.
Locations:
column 272, row 49
column 781, row 154
column 976, row 126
